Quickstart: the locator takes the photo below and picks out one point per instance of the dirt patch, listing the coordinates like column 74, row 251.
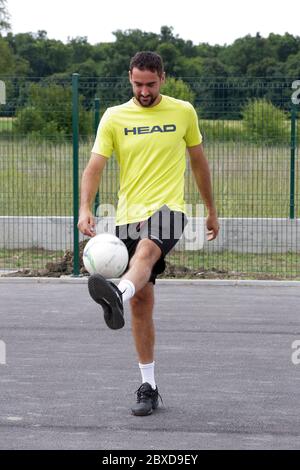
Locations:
column 64, row 267
column 176, row 271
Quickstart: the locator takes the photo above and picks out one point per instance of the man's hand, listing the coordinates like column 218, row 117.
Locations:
column 86, row 223
column 212, row 225
column 89, row 185
column 201, row 171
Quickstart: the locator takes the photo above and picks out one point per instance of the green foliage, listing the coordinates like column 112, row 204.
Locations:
column 282, row 46
column 247, row 56
column 48, row 112
column 265, row 123
column 222, row 131
column 45, row 56
column 178, row 89
column 80, row 50
column 6, row 58
column 28, row 120
column 292, row 66
column 188, row 67
column 170, row 56
column 243, row 52
column 214, row 74
column 4, row 16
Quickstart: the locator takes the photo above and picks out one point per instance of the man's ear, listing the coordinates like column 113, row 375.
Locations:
column 129, row 75
column 163, row 78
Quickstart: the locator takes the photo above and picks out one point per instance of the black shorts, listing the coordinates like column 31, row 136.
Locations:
column 164, row 228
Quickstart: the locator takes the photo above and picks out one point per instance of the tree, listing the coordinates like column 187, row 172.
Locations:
column 267, row 67
column 188, row 67
column 178, row 89
column 166, row 34
column 283, row 46
column 119, row 53
column 4, row 17
column 244, row 52
column 170, row 55
column 48, row 111
column 264, row 122
column 292, row 66
column 44, row 56
column 81, row 49
column 6, row 58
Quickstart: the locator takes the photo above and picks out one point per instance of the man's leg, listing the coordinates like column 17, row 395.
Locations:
column 144, row 337
column 111, row 297
column 142, row 262
column 142, row 323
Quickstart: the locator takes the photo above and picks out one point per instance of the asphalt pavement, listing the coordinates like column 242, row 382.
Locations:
column 225, row 368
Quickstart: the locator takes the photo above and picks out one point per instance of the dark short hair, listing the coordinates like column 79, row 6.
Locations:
column 147, row 60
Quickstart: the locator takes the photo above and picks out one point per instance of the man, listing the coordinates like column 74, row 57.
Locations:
column 149, row 136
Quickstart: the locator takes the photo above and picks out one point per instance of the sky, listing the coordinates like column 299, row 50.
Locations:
column 213, row 22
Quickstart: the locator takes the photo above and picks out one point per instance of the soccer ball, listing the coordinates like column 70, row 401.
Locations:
column 105, row 254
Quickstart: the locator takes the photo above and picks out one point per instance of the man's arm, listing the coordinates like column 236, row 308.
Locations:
column 201, row 171
column 89, row 185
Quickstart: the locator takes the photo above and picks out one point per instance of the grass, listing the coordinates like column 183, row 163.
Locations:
column 189, row 264
column 226, row 264
column 6, row 124
column 35, row 258
column 248, row 180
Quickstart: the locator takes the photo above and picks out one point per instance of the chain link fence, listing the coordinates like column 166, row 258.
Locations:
column 251, row 139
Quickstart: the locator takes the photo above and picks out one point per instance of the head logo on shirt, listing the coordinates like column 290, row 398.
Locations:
column 149, row 130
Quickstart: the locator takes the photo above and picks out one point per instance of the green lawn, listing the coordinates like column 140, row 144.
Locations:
column 196, row 265
column 226, row 264
column 5, row 124
column 31, row 258
column 248, row 180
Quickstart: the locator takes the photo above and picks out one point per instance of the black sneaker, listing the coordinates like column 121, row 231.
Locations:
column 109, row 297
column 147, row 400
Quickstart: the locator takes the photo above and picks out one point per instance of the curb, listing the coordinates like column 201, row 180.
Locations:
column 191, row 282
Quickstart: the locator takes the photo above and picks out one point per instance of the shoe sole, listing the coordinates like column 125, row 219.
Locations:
column 154, row 407
column 142, row 414
column 102, row 293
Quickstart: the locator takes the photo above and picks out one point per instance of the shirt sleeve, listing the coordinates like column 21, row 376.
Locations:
column 193, row 135
column 104, row 143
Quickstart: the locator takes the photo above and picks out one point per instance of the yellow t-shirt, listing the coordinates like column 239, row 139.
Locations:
column 149, row 144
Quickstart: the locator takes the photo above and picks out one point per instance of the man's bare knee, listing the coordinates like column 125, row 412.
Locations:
column 147, row 250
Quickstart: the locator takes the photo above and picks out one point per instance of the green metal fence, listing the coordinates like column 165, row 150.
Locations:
column 251, row 139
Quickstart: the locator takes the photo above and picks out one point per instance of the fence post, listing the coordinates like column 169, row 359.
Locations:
column 292, row 164
column 75, row 129
column 96, row 123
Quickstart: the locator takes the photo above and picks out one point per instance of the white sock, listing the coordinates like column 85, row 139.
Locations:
column 127, row 288
column 147, row 371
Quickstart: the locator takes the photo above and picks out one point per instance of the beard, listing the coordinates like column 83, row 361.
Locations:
column 147, row 102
